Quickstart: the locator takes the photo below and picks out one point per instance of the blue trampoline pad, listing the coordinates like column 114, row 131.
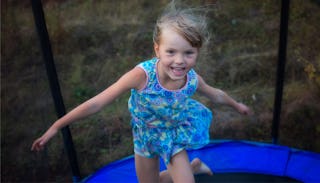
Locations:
column 233, row 161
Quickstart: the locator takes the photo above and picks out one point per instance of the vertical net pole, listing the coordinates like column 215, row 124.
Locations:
column 282, row 52
column 54, row 84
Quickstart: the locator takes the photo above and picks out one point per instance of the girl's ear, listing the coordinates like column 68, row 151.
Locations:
column 156, row 49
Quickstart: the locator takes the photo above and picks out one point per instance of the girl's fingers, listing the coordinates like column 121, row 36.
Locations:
column 34, row 146
column 37, row 145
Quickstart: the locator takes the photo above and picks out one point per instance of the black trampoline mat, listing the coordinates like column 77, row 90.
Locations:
column 242, row 177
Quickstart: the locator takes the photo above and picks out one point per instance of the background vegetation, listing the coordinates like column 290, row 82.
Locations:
column 96, row 41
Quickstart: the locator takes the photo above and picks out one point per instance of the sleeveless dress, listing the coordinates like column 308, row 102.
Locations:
column 165, row 122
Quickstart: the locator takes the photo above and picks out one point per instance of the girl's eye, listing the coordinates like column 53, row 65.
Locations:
column 189, row 52
column 170, row 52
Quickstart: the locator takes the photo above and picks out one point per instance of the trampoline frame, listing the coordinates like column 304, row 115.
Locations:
column 231, row 156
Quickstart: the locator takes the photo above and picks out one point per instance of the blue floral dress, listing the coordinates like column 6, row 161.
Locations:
column 165, row 122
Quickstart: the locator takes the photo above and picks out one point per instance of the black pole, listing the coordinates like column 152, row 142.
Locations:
column 54, row 84
column 282, row 52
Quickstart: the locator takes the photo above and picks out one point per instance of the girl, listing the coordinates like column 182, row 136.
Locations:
column 165, row 120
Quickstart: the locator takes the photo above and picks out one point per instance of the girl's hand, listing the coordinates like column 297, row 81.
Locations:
column 39, row 144
column 243, row 109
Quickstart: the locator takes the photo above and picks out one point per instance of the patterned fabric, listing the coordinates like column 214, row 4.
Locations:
column 165, row 122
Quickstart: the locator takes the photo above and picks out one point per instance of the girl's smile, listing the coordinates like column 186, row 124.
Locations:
column 178, row 71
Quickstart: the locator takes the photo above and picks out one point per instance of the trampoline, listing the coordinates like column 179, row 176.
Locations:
column 233, row 161
column 230, row 160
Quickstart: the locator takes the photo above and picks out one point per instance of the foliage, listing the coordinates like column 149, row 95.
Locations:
column 95, row 42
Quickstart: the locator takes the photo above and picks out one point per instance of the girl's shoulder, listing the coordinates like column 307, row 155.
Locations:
column 192, row 79
column 149, row 67
column 148, row 64
column 192, row 73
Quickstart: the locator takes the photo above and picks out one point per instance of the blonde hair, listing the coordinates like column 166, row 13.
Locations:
column 188, row 23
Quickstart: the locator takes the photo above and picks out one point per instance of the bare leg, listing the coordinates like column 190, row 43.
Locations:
column 147, row 169
column 197, row 167
column 180, row 168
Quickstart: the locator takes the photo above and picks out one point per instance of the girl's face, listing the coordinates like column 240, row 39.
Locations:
column 176, row 55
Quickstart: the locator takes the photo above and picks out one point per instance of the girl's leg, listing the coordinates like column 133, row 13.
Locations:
column 180, row 169
column 147, row 169
column 197, row 166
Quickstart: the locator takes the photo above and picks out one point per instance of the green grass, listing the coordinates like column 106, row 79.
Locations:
column 95, row 42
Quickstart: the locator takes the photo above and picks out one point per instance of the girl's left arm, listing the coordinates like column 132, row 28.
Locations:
column 219, row 96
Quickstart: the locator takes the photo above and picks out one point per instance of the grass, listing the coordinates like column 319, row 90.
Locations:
column 95, row 42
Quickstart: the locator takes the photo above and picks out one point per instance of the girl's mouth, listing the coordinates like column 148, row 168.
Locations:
column 178, row 71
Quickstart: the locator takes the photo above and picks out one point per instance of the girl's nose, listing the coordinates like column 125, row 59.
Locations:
column 179, row 59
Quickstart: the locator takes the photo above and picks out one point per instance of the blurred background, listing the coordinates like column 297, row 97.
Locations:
column 94, row 42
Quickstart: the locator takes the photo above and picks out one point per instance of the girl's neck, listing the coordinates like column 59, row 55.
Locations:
column 166, row 82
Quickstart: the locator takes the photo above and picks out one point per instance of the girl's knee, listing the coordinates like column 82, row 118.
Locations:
column 180, row 168
column 147, row 169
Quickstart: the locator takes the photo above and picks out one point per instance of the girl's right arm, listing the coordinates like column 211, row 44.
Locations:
column 132, row 79
column 219, row 96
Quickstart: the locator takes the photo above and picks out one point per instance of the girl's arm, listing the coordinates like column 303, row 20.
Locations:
column 219, row 96
column 132, row 79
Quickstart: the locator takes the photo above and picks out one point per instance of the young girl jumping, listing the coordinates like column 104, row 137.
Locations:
column 165, row 120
